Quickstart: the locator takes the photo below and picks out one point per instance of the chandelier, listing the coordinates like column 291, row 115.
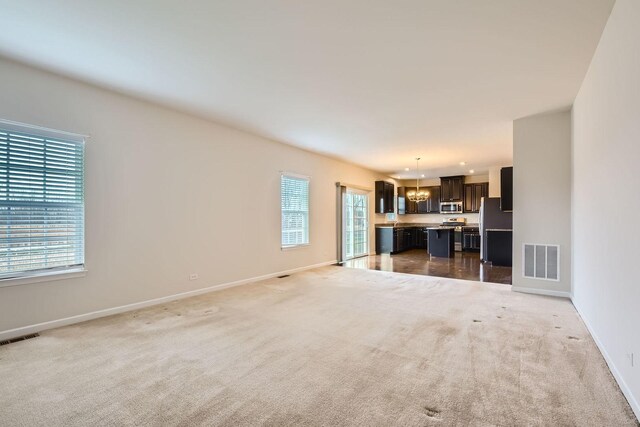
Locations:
column 418, row 195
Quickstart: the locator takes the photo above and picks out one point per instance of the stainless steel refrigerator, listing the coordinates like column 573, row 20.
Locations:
column 491, row 217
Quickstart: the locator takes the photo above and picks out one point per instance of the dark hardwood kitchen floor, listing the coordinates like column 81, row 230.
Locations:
column 465, row 265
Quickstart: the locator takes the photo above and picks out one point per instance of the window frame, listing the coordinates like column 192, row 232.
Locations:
column 301, row 177
column 57, row 272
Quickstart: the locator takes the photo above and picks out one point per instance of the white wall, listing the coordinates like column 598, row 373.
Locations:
column 470, row 179
column 167, row 194
column 542, row 194
column 606, row 153
column 494, row 182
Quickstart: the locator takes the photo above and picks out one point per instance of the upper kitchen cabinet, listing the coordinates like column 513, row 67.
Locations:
column 423, row 207
column 390, row 197
column 473, row 194
column 384, row 197
column 452, row 188
column 506, row 189
column 411, row 207
column 433, row 204
column 406, row 206
column 401, row 201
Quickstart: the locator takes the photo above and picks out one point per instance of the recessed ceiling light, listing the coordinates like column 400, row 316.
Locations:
column 406, row 169
column 463, row 163
column 471, row 171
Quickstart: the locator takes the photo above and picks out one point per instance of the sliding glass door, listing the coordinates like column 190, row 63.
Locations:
column 355, row 223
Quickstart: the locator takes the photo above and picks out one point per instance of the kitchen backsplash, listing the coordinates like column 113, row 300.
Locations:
column 472, row 218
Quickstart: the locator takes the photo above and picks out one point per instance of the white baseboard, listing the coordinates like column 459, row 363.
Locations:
column 633, row 402
column 536, row 291
column 25, row 330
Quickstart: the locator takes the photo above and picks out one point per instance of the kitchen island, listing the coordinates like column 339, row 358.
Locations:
column 441, row 241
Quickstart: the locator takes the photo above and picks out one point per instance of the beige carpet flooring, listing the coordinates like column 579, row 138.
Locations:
column 331, row 346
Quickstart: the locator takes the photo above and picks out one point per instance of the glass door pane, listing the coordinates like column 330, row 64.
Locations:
column 356, row 224
column 348, row 226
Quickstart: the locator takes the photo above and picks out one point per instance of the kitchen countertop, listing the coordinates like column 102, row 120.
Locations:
column 499, row 229
column 407, row 225
column 419, row 224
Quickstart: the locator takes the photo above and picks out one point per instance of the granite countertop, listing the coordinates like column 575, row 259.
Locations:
column 499, row 229
column 442, row 227
column 420, row 225
column 406, row 225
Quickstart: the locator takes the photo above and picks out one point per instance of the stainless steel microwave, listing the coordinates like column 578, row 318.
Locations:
column 450, row 207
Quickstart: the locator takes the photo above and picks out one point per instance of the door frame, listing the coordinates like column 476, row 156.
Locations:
column 341, row 190
column 365, row 194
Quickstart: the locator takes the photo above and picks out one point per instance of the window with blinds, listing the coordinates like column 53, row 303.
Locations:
column 41, row 203
column 294, row 204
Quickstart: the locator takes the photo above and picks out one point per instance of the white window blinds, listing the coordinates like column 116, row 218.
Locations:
column 41, row 203
column 294, row 203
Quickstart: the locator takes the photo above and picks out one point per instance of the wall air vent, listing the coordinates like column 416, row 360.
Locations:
column 541, row 261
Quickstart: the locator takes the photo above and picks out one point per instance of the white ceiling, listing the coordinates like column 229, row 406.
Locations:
column 375, row 82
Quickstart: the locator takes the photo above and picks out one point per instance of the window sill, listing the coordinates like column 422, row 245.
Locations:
column 43, row 277
column 289, row 248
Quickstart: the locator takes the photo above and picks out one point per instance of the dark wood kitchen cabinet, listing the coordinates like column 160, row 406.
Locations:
column 401, row 201
column 441, row 242
column 499, row 247
column 409, row 238
column 468, row 198
column 415, row 237
column 384, row 240
column 423, row 207
column 412, row 207
column 433, row 204
column 422, row 238
column 473, row 194
column 506, row 189
column 471, row 241
column 409, row 206
column 452, row 188
column 384, row 197
column 398, row 240
column 394, row 240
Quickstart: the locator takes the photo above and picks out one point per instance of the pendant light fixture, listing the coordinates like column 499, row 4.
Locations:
column 418, row 195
